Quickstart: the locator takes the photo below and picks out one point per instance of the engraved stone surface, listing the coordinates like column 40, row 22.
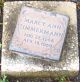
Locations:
column 39, row 33
column 18, row 65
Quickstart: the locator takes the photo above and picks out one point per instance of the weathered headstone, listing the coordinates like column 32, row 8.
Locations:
column 17, row 64
column 39, row 33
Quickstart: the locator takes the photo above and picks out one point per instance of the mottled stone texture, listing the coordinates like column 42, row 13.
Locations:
column 46, row 37
column 19, row 65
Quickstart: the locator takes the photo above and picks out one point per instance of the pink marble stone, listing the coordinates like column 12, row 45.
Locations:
column 39, row 33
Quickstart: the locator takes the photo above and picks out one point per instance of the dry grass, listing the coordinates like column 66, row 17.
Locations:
column 78, row 5
column 1, row 3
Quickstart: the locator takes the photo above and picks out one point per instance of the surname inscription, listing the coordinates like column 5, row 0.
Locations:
column 39, row 33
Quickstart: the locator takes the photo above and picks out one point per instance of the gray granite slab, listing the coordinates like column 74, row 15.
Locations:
column 19, row 65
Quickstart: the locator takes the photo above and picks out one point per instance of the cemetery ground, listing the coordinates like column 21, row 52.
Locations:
column 23, row 79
